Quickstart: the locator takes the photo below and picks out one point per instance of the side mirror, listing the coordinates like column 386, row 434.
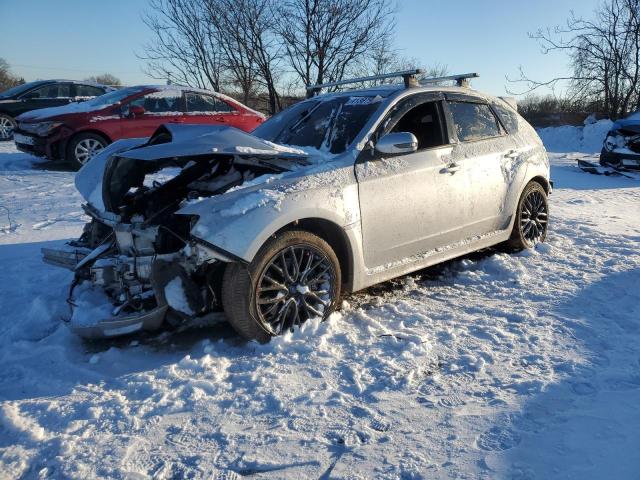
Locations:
column 398, row 142
column 30, row 96
column 136, row 111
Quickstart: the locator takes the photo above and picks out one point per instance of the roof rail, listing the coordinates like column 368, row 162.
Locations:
column 461, row 79
column 409, row 77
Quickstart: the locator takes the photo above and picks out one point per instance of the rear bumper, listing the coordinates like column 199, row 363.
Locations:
column 620, row 160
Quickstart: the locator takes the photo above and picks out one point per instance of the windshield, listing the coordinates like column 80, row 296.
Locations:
column 18, row 89
column 113, row 97
column 330, row 125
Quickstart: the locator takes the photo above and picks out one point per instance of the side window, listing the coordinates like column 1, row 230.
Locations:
column 508, row 117
column 202, row 103
column 53, row 90
column 88, row 91
column 424, row 121
column 473, row 121
column 162, row 102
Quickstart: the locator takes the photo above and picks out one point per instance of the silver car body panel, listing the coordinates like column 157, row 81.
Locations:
column 397, row 213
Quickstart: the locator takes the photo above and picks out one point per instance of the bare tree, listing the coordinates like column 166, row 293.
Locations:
column 260, row 19
column 324, row 39
column 185, row 49
column 229, row 20
column 8, row 79
column 386, row 59
column 105, row 79
column 604, row 56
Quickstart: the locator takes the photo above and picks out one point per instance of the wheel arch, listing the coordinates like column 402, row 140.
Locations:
column 66, row 143
column 337, row 239
column 94, row 131
column 544, row 183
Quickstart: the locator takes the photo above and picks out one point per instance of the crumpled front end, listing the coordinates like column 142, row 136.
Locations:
column 137, row 262
column 621, row 148
column 123, row 284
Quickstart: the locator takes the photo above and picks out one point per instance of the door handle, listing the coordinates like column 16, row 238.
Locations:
column 221, row 119
column 451, row 168
column 177, row 120
column 511, row 154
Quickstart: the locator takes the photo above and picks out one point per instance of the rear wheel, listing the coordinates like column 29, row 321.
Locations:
column 294, row 277
column 84, row 147
column 7, row 126
column 532, row 217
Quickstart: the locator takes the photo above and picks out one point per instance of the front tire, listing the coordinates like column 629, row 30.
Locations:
column 7, row 126
column 84, row 147
column 295, row 276
column 532, row 217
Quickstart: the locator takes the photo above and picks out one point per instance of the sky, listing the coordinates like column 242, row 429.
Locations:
column 79, row 38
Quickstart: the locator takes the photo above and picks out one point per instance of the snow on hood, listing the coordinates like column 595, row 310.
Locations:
column 48, row 113
column 189, row 140
column 632, row 120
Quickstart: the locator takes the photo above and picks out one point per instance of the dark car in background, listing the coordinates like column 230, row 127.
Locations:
column 77, row 132
column 42, row 94
column 621, row 147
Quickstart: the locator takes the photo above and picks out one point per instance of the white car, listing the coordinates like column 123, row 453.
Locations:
column 332, row 195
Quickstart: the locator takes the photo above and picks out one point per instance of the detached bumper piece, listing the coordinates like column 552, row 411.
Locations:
column 116, row 326
column 624, row 161
column 68, row 257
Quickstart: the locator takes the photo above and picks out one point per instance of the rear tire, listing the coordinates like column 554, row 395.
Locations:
column 295, row 276
column 7, row 126
column 532, row 216
column 83, row 147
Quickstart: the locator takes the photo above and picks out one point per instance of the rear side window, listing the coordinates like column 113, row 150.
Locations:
column 508, row 117
column 53, row 90
column 473, row 121
column 202, row 103
column 88, row 91
column 161, row 102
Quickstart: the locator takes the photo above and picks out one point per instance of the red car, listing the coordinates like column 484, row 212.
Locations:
column 76, row 132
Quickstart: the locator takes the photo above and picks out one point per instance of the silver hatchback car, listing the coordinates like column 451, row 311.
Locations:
column 332, row 195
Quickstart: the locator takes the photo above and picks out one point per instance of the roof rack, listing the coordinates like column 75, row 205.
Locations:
column 409, row 77
column 461, row 79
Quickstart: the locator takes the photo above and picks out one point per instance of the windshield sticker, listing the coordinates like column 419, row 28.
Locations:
column 360, row 101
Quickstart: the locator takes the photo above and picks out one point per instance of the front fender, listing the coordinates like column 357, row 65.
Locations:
column 240, row 222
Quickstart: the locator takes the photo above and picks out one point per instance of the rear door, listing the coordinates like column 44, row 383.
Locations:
column 481, row 148
column 49, row 95
column 203, row 108
column 151, row 111
column 410, row 204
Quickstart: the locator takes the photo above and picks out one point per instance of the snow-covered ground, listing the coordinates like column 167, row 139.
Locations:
column 493, row 366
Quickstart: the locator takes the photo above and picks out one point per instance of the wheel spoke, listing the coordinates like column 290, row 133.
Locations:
column 294, row 286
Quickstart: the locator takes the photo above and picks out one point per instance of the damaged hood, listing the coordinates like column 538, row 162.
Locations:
column 194, row 141
column 52, row 113
column 632, row 123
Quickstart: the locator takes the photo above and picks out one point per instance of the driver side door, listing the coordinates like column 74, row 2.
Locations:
column 411, row 204
column 50, row 95
column 156, row 108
